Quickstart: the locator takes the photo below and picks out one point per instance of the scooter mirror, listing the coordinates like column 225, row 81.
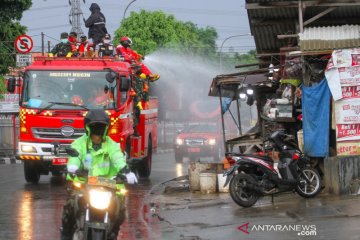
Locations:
column 72, row 152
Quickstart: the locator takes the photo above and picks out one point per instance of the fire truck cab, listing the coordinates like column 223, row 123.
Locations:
column 57, row 93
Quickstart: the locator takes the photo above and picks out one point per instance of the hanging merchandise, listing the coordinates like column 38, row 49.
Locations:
column 293, row 68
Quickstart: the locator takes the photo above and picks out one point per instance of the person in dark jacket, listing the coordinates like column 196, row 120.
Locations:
column 62, row 49
column 105, row 48
column 96, row 24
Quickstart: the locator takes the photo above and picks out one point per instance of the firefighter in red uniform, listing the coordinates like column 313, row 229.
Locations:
column 82, row 46
column 73, row 43
column 132, row 57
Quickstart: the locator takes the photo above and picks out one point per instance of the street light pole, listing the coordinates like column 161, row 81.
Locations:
column 222, row 44
column 127, row 9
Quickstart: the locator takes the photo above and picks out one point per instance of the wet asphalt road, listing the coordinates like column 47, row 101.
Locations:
column 33, row 212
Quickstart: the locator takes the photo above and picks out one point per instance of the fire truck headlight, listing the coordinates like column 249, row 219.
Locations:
column 179, row 141
column 212, row 141
column 28, row 149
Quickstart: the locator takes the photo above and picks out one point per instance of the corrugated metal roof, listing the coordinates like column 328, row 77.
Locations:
column 334, row 37
column 267, row 23
column 331, row 33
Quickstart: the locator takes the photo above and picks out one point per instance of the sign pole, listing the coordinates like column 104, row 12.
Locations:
column 14, row 133
column 42, row 44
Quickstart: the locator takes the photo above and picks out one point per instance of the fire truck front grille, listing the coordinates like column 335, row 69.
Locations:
column 194, row 142
column 55, row 133
column 61, row 149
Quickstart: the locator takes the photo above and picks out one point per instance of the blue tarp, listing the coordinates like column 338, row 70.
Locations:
column 316, row 119
column 225, row 104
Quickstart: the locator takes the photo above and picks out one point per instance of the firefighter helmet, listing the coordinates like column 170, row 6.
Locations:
column 125, row 41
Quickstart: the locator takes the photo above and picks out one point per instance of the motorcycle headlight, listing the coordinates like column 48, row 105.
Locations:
column 212, row 141
column 100, row 199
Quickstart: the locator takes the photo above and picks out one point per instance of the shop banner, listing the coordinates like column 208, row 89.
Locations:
column 348, row 148
column 342, row 70
column 9, row 103
column 349, row 76
column 350, row 92
column 347, row 132
column 347, row 111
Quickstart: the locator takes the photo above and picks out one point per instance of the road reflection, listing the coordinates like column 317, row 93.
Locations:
column 25, row 216
column 138, row 224
column 179, row 170
column 39, row 208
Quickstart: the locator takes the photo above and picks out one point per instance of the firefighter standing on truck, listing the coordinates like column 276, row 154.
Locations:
column 96, row 24
column 82, row 45
column 133, row 57
column 105, row 48
column 62, row 49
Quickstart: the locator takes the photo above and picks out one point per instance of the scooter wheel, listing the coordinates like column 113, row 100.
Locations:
column 239, row 192
column 311, row 187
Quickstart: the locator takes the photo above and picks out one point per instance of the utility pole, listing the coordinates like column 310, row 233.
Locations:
column 74, row 16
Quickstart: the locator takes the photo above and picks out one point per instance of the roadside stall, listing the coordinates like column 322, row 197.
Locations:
column 249, row 88
column 276, row 92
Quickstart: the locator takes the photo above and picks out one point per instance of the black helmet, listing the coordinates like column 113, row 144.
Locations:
column 73, row 34
column 96, row 122
column 64, row 35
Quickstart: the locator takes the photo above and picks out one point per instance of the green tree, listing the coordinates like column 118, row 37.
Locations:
column 2, row 86
column 10, row 28
column 151, row 31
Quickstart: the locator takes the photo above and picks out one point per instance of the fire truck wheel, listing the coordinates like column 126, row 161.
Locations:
column 56, row 173
column 31, row 171
column 145, row 166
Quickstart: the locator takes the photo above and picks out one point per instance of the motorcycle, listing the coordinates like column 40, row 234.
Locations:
column 253, row 176
column 96, row 200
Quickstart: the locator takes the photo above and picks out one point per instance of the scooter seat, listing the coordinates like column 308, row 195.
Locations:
column 265, row 158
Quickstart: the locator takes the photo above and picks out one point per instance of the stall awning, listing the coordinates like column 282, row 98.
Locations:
column 230, row 83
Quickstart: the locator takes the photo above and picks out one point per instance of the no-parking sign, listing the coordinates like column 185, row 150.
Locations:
column 23, row 44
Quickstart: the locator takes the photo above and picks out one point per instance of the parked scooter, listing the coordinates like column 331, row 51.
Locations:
column 95, row 201
column 254, row 176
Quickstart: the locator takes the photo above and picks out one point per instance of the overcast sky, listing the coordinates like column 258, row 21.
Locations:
column 228, row 17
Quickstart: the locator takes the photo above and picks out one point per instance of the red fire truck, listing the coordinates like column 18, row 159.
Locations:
column 56, row 95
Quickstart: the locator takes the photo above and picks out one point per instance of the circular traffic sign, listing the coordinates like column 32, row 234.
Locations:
column 23, row 44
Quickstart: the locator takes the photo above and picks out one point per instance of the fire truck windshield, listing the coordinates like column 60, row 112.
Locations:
column 72, row 88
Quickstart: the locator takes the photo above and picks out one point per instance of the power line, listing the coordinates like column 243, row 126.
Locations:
column 47, row 8
column 46, row 17
column 48, row 27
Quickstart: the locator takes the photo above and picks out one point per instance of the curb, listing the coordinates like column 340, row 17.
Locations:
column 169, row 150
column 7, row 160
column 153, row 189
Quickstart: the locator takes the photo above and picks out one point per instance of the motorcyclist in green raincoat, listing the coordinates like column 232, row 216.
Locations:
column 101, row 156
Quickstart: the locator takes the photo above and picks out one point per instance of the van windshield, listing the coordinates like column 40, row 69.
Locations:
column 84, row 88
